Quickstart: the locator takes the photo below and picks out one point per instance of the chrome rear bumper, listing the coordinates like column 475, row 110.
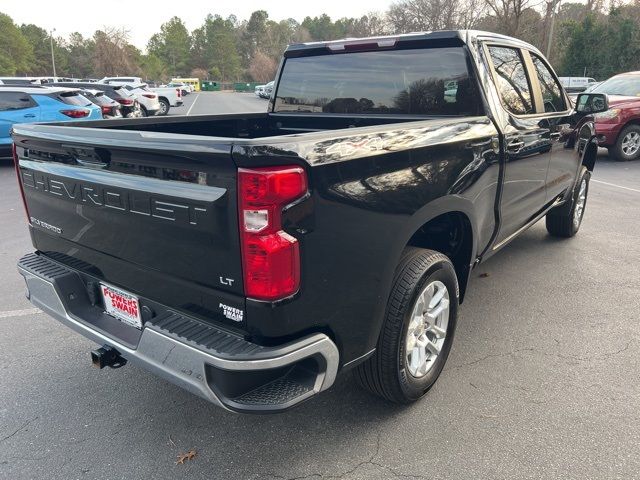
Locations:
column 229, row 371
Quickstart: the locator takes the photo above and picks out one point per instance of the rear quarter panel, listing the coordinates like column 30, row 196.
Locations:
column 372, row 189
column 50, row 110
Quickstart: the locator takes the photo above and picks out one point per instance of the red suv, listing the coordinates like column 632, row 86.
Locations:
column 618, row 128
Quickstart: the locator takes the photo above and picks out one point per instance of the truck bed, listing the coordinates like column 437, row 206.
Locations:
column 242, row 126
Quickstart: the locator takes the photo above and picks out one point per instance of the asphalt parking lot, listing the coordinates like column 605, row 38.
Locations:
column 542, row 381
column 199, row 103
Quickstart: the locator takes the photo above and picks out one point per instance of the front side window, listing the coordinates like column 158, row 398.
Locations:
column 511, row 79
column 551, row 92
column 426, row 81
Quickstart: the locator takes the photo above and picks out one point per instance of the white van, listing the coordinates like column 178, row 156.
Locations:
column 122, row 80
column 576, row 84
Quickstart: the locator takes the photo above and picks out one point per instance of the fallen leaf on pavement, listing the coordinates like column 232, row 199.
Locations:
column 190, row 455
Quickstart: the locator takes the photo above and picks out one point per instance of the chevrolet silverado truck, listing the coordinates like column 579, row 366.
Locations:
column 252, row 258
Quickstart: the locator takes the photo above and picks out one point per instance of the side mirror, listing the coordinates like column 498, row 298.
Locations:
column 592, row 103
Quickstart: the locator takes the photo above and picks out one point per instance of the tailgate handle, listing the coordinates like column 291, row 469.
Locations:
column 91, row 163
column 89, row 156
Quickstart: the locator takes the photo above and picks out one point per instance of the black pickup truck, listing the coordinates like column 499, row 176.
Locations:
column 251, row 258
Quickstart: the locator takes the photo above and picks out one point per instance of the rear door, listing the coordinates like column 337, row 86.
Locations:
column 526, row 144
column 16, row 107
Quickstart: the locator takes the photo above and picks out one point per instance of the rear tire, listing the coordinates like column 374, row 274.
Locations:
column 418, row 328
column 627, row 146
column 164, row 107
column 143, row 111
column 565, row 221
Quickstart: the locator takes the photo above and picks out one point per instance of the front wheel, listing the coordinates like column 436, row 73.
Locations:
column 418, row 328
column 565, row 220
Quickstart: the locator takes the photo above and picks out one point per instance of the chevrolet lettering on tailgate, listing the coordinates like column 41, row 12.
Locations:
column 136, row 202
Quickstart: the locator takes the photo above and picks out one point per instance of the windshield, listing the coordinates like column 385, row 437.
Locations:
column 628, row 85
column 429, row 81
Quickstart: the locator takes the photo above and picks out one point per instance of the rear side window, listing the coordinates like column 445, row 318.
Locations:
column 511, row 79
column 99, row 99
column 431, row 81
column 72, row 98
column 551, row 91
column 15, row 101
column 122, row 92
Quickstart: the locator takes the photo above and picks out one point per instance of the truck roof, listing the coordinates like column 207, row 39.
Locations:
column 446, row 36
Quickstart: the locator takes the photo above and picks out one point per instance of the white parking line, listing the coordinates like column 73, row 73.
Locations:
column 194, row 102
column 617, row 186
column 20, row 313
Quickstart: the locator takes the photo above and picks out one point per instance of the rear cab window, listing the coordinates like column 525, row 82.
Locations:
column 420, row 81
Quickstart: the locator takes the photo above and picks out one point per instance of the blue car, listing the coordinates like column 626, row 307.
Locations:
column 28, row 104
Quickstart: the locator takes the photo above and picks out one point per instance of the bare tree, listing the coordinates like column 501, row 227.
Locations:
column 369, row 25
column 113, row 54
column 597, row 6
column 421, row 15
column 470, row 12
column 262, row 67
column 509, row 13
column 200, row 73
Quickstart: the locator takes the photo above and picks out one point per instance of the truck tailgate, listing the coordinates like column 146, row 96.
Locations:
column 137, row 207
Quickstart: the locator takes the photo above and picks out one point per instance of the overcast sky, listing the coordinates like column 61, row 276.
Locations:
column 143, row 18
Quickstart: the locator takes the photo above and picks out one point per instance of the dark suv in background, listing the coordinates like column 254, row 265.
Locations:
column 110, row 108
column 128, row 102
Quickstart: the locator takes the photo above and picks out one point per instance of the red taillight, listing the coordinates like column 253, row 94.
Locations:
column 106, row 110
column 16, row 162
column 270, row 256
column 179, row 92
column 77, row 113
column 149, row 95
column 126, row 101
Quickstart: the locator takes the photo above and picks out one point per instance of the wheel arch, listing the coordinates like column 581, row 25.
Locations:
column 452, row 235
column 588, row 143
column 427, row 228
column 631, row 119
column 590, row 154
column 416, row 232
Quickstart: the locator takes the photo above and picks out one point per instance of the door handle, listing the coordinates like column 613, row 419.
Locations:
column 515, row 146
column 554, row 135
column 29, row 115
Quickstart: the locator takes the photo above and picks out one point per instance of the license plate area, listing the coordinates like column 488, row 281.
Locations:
column 121, row 305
